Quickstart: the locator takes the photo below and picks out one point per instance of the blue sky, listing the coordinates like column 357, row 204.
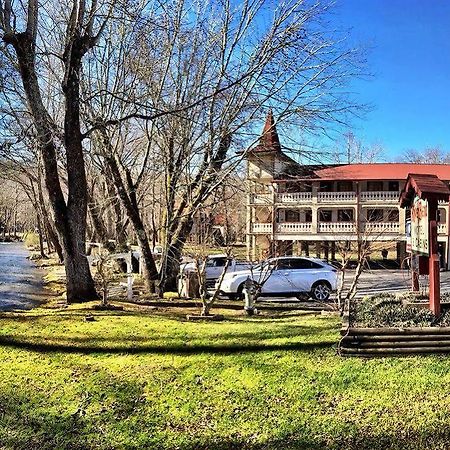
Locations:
column 409, row 58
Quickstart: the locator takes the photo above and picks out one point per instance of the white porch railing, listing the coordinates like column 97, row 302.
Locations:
column 294, row 197
column 294, row 227
column 262, row 228
column 261, row 199
column 381, row 227
column 380, row 196
column 332, row 197
column 336, row 227
column 442, row 228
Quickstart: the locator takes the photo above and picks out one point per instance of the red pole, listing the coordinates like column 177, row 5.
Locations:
column 433, row 261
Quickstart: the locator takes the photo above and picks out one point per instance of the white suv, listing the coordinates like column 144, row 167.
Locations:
column 285, row 276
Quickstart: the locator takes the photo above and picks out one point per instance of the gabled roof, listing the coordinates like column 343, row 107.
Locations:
column 425, row 186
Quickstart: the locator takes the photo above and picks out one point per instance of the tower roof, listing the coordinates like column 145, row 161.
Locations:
column 269, row 140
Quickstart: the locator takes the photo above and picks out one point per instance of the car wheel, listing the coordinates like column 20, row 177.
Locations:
column 240, row 294
column 321, row 291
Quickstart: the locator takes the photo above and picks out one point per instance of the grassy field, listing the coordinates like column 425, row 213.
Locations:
column 149, row 380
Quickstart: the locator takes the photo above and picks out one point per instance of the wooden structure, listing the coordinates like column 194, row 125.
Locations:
column 431, row 189
column 371, row 342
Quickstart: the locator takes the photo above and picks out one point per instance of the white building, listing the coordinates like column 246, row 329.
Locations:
column 301, row 209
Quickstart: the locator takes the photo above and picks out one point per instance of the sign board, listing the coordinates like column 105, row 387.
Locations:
column 408, row 235
column 419, row 227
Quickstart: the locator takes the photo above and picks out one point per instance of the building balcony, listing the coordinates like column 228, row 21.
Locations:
column 294, row 197
column 380, row 196
column 294, row 227
column 336, row 197
column 262, row 228
column 369, row 228
column 336, row 227
column 381, row 227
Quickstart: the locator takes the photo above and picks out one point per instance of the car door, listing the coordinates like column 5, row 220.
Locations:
column 303, row 274
column 214, row 267
column 278, row 281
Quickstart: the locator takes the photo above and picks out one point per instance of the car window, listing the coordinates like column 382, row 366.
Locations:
column 283, row 264
column 216, row 262
column 299, row 264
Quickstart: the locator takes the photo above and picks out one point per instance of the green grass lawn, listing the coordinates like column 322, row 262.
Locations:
column 149, row 380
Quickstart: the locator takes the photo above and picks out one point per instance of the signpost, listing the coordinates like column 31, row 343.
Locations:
column 420, row 227
column 421, row 194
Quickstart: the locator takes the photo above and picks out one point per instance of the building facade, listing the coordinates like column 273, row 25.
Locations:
column 296, row 209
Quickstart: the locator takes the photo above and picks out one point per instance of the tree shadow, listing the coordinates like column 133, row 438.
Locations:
column 73, row 346
column 430, row 438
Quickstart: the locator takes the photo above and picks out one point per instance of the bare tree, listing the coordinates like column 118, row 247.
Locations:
column 83, row 26
column 431, row 155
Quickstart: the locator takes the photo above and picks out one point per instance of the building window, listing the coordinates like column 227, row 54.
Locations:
column 345, row 186
column 308, row 216
column 392, row 215
column 345, row 215
column 326, row 186
column 325, row 215
column 374, row 215
column 393, row 186
column 441, row 215
column 292, row 216
column 373, row 186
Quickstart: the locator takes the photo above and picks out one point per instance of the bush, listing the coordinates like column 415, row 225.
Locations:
column 413, row 297
column 387, row 310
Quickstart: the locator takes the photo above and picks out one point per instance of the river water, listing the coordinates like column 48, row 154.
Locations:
column 21, row 284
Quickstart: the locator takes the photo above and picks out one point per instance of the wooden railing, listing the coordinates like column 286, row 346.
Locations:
column 332, row 197
column 381, row 227
column 294, row 227
column 336, row 227
column 262, row 228
column 294, row 197
column 380, row 196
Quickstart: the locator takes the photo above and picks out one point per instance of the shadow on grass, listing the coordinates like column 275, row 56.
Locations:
column 430, row 439
column 74, row 347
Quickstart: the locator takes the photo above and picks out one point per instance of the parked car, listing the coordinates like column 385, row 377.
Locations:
column 214, row 267
column 287, row 277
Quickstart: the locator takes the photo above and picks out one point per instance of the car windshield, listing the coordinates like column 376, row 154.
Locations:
column 264, row 265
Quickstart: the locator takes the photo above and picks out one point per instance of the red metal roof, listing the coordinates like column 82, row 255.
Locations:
column 382, row 171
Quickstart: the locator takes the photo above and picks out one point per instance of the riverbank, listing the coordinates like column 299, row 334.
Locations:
column 21, row 282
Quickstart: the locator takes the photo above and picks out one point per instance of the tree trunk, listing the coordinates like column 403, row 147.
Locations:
column 52, row 236
column 150, row 272
column 70, row 218
column 99, row 225
column 41, row 240
column 119, row 227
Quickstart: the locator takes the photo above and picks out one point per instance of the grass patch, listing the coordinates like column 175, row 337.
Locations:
column 149, row 380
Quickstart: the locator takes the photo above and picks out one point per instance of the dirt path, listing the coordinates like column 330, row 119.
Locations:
column 21, row 284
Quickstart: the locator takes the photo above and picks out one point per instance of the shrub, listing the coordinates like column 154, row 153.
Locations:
column 387, row 310
column 413, row 296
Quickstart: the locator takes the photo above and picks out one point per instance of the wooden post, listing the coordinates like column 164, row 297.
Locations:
column 433, row 261
column 130, row 276
column 326, row 250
